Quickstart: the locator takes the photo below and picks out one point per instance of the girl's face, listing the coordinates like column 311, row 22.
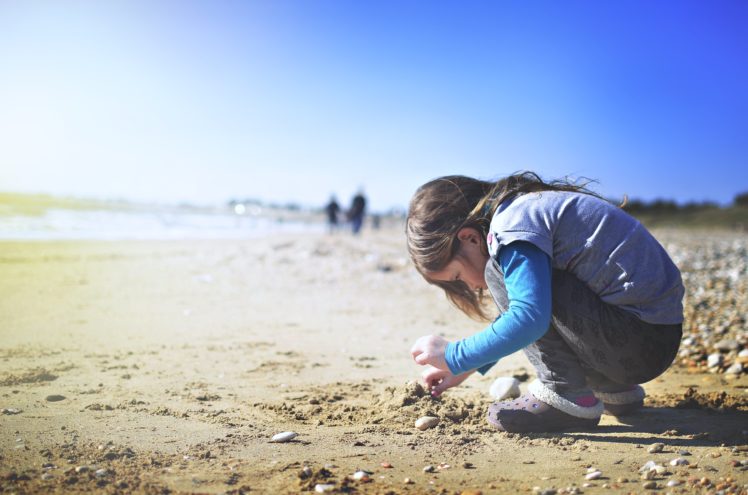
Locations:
column 469, row 264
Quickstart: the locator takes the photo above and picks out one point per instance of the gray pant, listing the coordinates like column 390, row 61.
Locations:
column 591, row 344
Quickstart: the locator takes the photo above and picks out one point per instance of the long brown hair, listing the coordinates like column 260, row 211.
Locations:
column 442, row 207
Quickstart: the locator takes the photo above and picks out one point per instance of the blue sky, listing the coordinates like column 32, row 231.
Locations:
column 294, row 100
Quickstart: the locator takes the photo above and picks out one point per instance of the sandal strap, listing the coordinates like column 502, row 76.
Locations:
column 545, row 394
column 626, row 397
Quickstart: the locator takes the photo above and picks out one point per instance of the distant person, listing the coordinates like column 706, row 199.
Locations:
column 332, row 209
column 356, row 212
column 584, row 288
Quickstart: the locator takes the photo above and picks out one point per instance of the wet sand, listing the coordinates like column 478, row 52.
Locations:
column 178, row 361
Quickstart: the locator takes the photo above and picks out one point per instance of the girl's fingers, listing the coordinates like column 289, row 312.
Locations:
column 422, row 358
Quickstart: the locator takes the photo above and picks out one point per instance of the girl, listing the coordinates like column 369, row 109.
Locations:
column 592, row 298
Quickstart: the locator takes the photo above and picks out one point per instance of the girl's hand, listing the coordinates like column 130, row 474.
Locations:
column 437, row 381
column 430, row 350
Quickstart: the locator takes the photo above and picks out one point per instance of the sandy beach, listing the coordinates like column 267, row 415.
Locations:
column 167, row 366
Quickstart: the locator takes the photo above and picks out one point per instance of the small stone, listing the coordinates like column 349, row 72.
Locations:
column 467, row 465
column 426, row 422
column 679, row 461
column 743, row 353
column 55, row 398
column 285, row 436
column 11, row 411
column 504, row 387
column 471, row 492
column 361, row 476
column 622, row 480
column 408, row 481
column 82, row 469
column 306, row 472
column 386, row 465
column 727, row 345
column 683, row 452
column 428, row 469
column 656, row 448
column 714, row 360
column 100, row 473
column 593, row 475
column 648, row 475
column 323, row 487
column 47, row 476
column 673, row 483
column 734, row 369
column 442, row 466
column 649, row 485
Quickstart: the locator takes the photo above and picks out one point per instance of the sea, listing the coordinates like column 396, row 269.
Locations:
column 154, row 224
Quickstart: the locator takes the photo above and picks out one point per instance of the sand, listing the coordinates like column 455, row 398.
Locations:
column 178, row 361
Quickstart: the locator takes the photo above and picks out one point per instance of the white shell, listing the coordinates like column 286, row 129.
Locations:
column 426, row 422
column 593, row 475
column 673, row 483
column 286, row 436
column 323, row 487
column 359, row 475
column 504, row 387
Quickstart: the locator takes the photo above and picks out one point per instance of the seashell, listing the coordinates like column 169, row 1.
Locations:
column 593, row 475
column 504, row 387
column 673, row 483
column 285, row 436
column 426, row 422
column 323, row 487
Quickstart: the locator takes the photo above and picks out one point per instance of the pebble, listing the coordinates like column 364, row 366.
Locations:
column 100, row 473
column 727, row 345
column 55, row 398
column 656, row 448
column 386, row 465
column 361, row 476
column 323, row 487
column 426, row 422
column 82, row 469
column 734, row 369
column 285, row 436
column 47, row 476
column 471, row 492
column 714, row 360
column 408, row 481
column 684, row 452
column 679, row 461
column 649, row 485
column 11, row 410
column 743, row 353
column 673, row 483
column 593, row 475
column 428, row 469
column 504, row 387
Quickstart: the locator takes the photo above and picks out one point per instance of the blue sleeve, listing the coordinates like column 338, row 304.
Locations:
column 527, row 276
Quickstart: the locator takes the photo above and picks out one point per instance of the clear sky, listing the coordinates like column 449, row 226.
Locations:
column 294, row 100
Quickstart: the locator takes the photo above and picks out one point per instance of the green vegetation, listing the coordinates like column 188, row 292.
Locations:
column 663, row 213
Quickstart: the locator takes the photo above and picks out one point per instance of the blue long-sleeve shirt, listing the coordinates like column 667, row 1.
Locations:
column 527, row 276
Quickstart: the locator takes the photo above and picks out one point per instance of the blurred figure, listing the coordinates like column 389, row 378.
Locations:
column 357, row 212
column 332, row 209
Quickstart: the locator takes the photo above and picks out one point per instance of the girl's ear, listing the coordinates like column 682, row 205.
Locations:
column 468, row 234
